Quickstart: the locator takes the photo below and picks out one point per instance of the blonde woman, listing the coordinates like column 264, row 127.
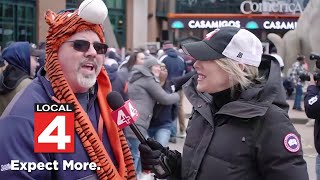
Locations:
column 239, row 129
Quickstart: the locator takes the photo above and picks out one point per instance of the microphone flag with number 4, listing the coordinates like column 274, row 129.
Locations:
column 125, row 113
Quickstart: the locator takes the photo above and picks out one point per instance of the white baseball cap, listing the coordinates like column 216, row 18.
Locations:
column 232, row 42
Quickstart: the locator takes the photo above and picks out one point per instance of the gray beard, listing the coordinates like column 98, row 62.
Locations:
column 86, row 81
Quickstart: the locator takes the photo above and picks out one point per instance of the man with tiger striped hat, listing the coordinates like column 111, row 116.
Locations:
column 73, row 73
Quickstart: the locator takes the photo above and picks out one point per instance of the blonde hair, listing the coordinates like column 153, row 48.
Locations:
column 244, row 78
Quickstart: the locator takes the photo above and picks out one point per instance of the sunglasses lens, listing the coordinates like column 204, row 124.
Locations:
column 100, row 48
column 81, row 45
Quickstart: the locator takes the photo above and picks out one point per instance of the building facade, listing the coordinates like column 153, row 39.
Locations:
column 193, row 19
column 23, row 20
column 138, row 23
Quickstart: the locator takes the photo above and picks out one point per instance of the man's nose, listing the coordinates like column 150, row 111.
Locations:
column 91, row 51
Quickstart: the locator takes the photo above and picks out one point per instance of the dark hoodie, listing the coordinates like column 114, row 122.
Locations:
column 175, row 64
column 41, row 60
column 118, row 84
column 249, row 137
column 18, row 57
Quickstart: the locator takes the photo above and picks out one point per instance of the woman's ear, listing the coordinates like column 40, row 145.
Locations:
column 241, row 66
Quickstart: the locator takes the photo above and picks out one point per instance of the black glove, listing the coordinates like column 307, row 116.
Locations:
column 178, row 82
column 153, row 156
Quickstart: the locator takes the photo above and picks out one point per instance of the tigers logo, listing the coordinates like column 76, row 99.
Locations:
column 210, row 34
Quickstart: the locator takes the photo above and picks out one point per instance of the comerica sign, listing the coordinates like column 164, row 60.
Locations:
column 272, row 7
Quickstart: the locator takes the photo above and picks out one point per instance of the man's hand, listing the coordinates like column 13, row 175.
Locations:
column 150, row 154
column 162, row 161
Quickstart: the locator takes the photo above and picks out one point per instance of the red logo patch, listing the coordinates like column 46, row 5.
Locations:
column 292, row 143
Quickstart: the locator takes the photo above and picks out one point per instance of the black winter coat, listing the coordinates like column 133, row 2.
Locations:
column 250, row 138
column 312, row 106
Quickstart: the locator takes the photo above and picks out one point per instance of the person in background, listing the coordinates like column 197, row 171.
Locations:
column 110, row 61
column 42, row 45
column 160, row 53
column 163, row 115
column 188, row 59
column 176, row 67
column 298, row 68
column 3, row 64
column 41, row 59
column 147, row 52
column 136, row 58
column 312, row 106
column 22, row 61
column 274, row 53
column 73, row 73
column 119, row 85
column 144, row 91
column 113, row 55
column 239, row 128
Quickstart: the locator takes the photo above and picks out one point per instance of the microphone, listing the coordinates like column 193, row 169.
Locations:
column 124, row 114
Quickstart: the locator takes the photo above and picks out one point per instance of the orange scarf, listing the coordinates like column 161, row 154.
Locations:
column 61, row 27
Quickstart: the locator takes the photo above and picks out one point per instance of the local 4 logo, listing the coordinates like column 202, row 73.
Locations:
column 125, row 115
column 53, row 128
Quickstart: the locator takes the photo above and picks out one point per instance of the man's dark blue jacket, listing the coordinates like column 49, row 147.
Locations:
column 17, row 139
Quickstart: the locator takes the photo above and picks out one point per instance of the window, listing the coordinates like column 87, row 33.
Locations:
column 111, row 4
column 115, row 4
column 21, row 10
column 17, row 21
column 119, row 4
column 8, row 10
column 7, row 33
column 72, row 4
column 30, row 12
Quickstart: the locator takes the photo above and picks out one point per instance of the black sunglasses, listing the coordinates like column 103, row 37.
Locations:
column 83, row 46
